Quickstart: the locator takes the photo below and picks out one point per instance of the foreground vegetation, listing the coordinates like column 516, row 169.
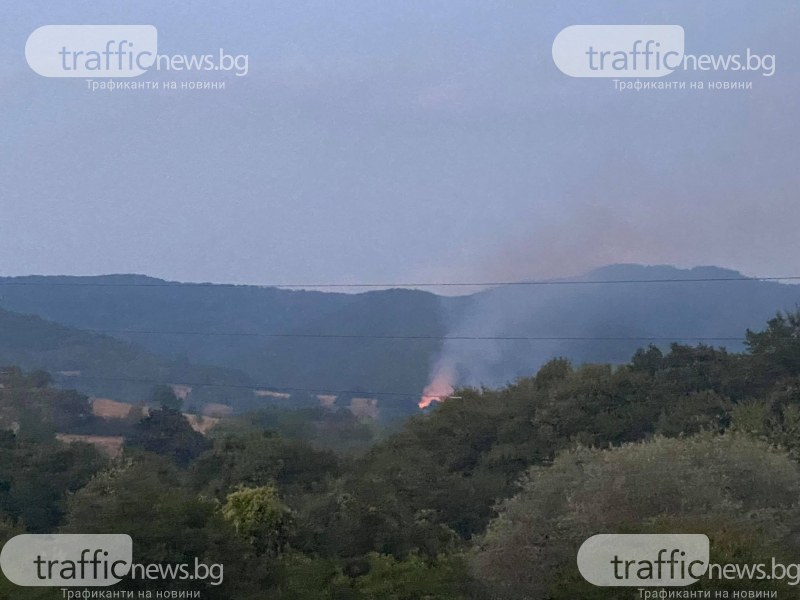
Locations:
column 488, row 496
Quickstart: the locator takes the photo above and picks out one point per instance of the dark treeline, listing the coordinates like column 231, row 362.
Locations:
column 487, row 496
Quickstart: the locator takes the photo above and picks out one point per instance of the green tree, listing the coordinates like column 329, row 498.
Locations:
column 167, row 432
column 146, row 498
column 775, row 418
column 37, row 478
column 259, row 516
column 740, row 492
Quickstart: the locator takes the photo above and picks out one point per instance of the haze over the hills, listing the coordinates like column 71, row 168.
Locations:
column 386, row 344
column 375, row 141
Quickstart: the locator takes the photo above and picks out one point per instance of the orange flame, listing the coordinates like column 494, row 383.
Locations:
column 439, row 388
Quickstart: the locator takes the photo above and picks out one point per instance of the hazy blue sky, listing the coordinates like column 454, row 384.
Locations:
column 388, row 141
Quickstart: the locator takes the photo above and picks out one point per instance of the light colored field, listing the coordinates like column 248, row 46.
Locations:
column 201, row 423
column 70, row 373
column 216, row 410
column 364, row 408
column 110, row 445
column 327, row 400
column 113, row 409
column 182, row 391
column 271, row 394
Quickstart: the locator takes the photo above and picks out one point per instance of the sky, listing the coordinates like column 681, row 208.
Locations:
column 398, row 141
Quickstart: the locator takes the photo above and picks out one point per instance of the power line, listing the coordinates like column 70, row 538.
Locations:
column 424, row 337
column 429, row 284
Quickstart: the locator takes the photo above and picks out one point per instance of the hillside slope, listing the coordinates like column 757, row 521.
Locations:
column 104, row 366
column 262, row 331
column 321, row 341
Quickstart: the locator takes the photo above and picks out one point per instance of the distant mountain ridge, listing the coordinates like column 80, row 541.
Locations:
column 321, row 340
column 630, row 271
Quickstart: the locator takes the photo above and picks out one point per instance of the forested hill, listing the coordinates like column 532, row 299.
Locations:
column 465, row 502
column 104, row 366
column 389, row 340
column 262, row 331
